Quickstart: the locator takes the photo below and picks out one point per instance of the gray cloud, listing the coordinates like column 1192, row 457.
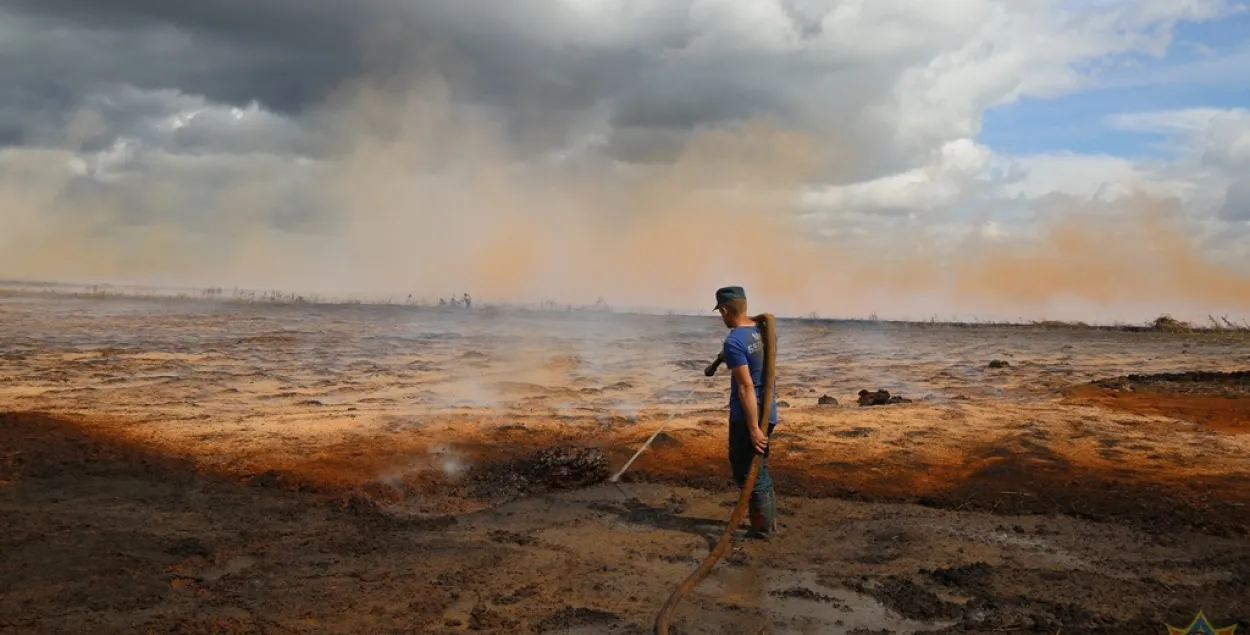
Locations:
column 1236, row 205
column 283, row 55
column 878, row 81
column 542, row 65
column 374, row 142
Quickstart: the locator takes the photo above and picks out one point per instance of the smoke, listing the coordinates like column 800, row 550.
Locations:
column 416, row 191
column 448, row 460
column 438, row 457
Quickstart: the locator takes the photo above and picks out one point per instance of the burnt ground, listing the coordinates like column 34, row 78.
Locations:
column 1227, row 384
column 1215, row 400
column 212, row 468
column 108, row 536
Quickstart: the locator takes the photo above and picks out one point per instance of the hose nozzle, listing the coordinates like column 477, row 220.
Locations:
column 711, row 368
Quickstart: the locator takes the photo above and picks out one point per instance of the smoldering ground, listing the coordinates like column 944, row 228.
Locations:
column 413, row 190
column 350, row 467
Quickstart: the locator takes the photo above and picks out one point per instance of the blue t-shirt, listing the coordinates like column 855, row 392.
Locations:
column 745, row 345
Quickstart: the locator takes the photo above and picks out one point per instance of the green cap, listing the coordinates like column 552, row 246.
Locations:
column 725, row 294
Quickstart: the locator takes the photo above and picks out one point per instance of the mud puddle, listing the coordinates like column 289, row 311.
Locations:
column 798, row 603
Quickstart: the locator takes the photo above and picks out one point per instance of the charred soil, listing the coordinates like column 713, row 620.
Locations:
column 105, row 535
column 1217, row 401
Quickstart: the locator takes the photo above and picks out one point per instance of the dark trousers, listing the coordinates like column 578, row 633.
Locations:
column 741, row 453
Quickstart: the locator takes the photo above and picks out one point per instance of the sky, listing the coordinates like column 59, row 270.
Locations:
column 1031, row 159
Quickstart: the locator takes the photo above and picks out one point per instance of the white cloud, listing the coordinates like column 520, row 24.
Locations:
column 1076, row 175
column 1165, row 121
column 1214, row 69
column 1226, row 140
column 951, row 173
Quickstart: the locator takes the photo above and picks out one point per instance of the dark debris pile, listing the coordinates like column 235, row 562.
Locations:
column 561, row 468
column 1192, row 382
column 879, row 398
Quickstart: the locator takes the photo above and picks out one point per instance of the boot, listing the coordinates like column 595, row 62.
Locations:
column 763, row 518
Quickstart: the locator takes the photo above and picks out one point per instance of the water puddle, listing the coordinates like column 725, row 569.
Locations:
column 799, row 605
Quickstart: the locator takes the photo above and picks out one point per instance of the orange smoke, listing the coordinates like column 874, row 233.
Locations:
column 424, row 198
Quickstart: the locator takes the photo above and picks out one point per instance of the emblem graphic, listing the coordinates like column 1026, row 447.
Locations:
column 1200, row 626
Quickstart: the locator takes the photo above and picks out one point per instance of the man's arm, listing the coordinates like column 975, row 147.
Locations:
column 737, row 361
column 746, row 395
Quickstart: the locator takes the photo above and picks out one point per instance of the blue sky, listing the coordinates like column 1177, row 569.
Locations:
column 1207, row 66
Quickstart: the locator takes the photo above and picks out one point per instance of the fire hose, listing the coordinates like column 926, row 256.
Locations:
column 709, row 371
column 768, row 330
column 616, row 477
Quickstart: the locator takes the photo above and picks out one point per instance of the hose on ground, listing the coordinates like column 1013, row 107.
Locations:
column 664, row 619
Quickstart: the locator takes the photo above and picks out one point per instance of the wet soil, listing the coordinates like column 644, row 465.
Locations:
column 109, row 536
column 1013, row 475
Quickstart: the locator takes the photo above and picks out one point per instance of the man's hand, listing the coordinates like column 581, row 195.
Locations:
column 711, row 368
column 758, row 438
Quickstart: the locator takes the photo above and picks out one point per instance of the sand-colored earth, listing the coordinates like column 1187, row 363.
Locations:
column 186, row 466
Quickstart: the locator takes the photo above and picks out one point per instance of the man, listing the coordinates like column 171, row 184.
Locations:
column 743, row 353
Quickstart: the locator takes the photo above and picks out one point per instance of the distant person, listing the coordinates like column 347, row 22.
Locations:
column 468, row 302
column 743, row 351
column 442, row 301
